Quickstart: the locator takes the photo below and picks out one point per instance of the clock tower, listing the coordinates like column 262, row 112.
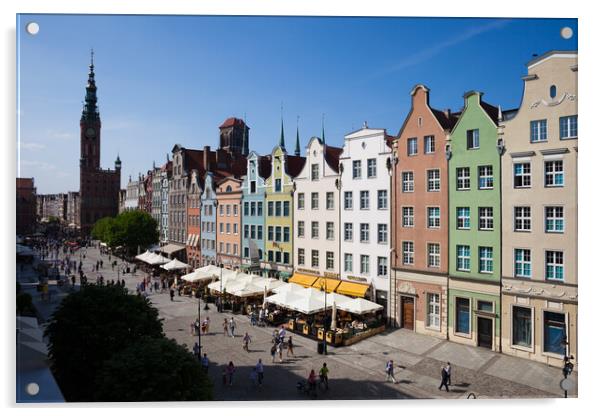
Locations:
column 90, row 125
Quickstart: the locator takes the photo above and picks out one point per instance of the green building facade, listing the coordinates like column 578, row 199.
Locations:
column 475, row 225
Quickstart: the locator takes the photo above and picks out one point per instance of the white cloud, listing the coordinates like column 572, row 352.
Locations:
column 38, row 164
column 62, row 135
column 32, row 146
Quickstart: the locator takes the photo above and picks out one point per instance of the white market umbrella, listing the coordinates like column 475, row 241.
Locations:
column 175, row 264
column 333, row 322
column 308, row 302
column 337, row 298
column 143, row 256
column 156, row 259
column 288, row 288
column 360, row 306
column 284, row 299
column 197, row 276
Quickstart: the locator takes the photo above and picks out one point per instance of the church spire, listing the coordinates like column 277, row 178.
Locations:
column 323, row 137
column 90, row 111
column 297, row 145
column 281, row 129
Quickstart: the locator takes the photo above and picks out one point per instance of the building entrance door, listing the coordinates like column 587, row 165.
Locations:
column 484, row 332
column 407, row 312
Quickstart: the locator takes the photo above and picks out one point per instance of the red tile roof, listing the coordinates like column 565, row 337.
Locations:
column 332, row 155
column 232, row 121
column 294, row 165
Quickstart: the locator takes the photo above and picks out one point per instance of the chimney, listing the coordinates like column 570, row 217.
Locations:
column 447, row 112
column 206, row 157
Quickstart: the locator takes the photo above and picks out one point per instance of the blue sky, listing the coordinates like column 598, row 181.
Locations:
column 174, row 79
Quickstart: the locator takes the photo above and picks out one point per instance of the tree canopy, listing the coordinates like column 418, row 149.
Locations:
column 90, row 326
column 154, row 369
column 130, row 229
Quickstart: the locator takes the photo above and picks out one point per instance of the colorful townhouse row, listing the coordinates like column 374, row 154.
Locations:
column 463, row 225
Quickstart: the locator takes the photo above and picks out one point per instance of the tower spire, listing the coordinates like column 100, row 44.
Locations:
column 281, row 129
column 323, row 137
column 297, row 145
column 90, row 111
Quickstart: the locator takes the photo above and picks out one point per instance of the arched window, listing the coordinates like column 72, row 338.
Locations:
column 553, row 91
column 228, row 188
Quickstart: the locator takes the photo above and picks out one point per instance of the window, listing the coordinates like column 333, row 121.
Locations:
column 383, row 236
column 463, row 218
column 330, row 230
column 554, row 171
column 286, row 258
column 301, row 256
column 521, row 326
column 539, row 131
column 364, row 264
column 235, row 210
column 270, row 208
column 434, row 180
column 348, row 231
column 348, row 262
column 434, row 255
column 314, row 200
column 554, row 265
column 522, row 218
column 472, row 139
column 221, row 210
column 286, row 210
column 407, row 181
column 382, row 199
column 228, row 210
column 462, row 179
column 246, row 252
column 429, row 144
column 315, row 258
column 253, row 235
column 235, row 231
column 433, row 317
column 412, row 146
column 522, row 262
column 462, row 316
column 253, row 187
column 407, row 216
column 246, row 231
column 552, row 91
column 568, row 127
column 554, row 219
column 221, row 247
column 286, row 234
column 315, row 172
column 554, row 332
column 278, row 210
column 463, row 258
column 315, row 229
column 278, row 188
column 253, row 208
column 382, row 266
column 486, row 218
column 357, row 169
column 484, row 306
column 486, row 259
column 486, row 177
column 329, row 260
column 227, row 248
column 260, row 209
column 348, row 196
column 329, row 200
column 434, row 217
column 522, row 175
column 270, row 256
column 371, row 168
column 246, row 209
column 301, row 200
column 408, row 252
column 221, row 227
column 364, row 233
column 301, row 229
column 278, row 257
column 260, row 234
column 271, row 233
column 364, row 199
column 278, row 236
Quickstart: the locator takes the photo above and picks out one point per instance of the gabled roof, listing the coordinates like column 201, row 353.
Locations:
column 232, row 121
column 332, row 155
column 294, row 165
column 265, row 166
column 447, row 120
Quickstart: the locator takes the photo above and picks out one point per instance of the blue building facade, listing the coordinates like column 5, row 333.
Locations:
column 208, row 221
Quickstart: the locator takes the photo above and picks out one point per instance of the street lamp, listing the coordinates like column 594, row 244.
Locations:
column 221, row 289
column 323, row 287
column 567, row 369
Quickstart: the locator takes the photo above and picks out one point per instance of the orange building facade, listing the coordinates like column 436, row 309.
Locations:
column 229, row 222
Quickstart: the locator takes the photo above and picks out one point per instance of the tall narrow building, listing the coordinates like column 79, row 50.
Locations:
column 98, row 188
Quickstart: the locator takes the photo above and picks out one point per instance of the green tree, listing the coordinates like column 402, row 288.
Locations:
column 134, row 229
column 102, row 229
column 90, row 326
column 152, row 370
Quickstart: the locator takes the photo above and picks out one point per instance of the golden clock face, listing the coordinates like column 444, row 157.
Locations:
column 90, row 133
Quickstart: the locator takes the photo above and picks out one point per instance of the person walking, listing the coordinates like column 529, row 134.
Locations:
column 232, row 326
column 273, row 352
column 444, row 379
column 225, row 326
column 245, row 342
column 205, row 363
column 230, row 370
column 390, row 369
column 280, row 347
column 192, row 328
column 207, row 321
column 196, row 349
column 448, row 369
column 324, row 375
column 289, row 345
column 204, row 327
column 171, row 294
column 259, row 371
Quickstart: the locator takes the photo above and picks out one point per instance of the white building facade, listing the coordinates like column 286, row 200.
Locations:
column 316, row 220
column 365, row 195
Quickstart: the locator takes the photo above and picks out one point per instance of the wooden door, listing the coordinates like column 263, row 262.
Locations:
column 407, row 312
column 484, row 332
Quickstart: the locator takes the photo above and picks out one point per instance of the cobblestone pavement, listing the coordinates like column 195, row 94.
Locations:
column 356, row 372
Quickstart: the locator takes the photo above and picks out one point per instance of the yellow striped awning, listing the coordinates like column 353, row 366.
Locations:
column 352, row 289
column 304, row 280
column 331, row 284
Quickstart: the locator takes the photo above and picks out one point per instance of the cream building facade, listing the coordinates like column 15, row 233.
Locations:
column 539, row 208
